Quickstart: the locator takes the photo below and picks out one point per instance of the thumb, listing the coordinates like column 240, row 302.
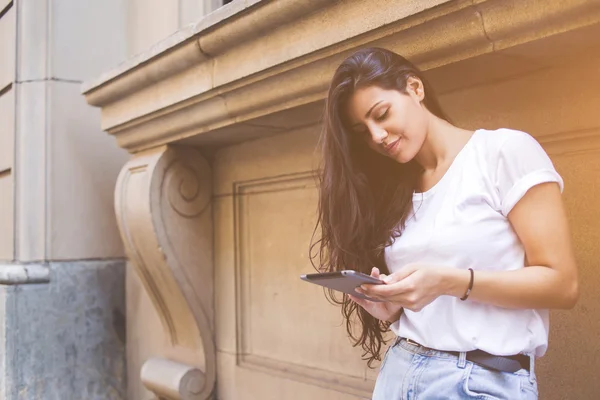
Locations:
column 375, row 272
column 401, row 274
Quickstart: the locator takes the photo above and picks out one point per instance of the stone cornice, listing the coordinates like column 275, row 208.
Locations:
column 228, row 26
column 222, row 73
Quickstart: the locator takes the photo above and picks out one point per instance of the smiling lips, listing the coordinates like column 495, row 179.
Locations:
column 392, row 147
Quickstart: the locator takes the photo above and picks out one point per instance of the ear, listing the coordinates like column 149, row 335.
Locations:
column 415, row 87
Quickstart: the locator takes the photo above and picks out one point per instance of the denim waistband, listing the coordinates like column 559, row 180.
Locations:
column 426, row 351
column 421, row 350
column 416, row 348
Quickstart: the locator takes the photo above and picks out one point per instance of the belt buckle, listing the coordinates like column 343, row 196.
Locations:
column 412, row 342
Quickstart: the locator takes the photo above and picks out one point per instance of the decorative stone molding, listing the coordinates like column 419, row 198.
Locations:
column 21, row 274
column 205, row 80
column 163, row 205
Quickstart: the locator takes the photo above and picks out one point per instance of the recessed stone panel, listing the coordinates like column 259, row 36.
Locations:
column 253, row 383
column 285, row 323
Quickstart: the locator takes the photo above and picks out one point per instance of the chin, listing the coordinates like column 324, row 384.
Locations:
column 404, row 158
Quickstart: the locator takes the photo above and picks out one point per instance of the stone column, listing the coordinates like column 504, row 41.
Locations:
column 62, row 307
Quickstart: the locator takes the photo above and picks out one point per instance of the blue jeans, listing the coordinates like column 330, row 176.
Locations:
column 410, row 372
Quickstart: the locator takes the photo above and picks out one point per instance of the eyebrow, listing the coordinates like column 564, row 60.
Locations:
column 369, row 112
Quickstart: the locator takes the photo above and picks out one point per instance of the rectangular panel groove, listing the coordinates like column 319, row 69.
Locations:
column 246, row 356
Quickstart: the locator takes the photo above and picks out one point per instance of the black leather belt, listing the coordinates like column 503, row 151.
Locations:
column 480, row 357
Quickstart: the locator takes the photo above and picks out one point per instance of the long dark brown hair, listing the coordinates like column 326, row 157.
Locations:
column 364, row 197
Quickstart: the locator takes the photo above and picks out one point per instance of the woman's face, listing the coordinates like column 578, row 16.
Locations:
column 392, row 123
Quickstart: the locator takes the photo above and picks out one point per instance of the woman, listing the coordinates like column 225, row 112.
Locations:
column 466, row 228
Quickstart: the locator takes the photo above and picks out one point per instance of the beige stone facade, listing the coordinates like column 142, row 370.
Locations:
column 215, row 202
column 62, row 262
column 223, row 118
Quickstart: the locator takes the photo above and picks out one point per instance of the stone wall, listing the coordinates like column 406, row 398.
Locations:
column 65, row 339
column 63, row 328
column 251, row 103
column 554, row 103
column 286, row 325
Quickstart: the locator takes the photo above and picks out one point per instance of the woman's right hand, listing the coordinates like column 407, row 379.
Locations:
column 384, row 311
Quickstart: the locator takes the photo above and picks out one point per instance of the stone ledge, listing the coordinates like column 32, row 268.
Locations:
column 21, row 274
column 187, row 93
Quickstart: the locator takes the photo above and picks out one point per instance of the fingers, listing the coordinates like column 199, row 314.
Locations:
column 375, row 273
column 401, row 274
column 364, row 292
column 389, row 291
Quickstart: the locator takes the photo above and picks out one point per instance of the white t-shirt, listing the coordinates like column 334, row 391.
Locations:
column 462, row 223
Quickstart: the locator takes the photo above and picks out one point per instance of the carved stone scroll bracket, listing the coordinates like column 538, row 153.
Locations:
column 163, row 206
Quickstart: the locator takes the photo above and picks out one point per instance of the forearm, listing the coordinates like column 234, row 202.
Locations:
column 533, row 287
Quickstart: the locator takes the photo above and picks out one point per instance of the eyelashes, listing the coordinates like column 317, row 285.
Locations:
column 383, row 116
column 380, row 118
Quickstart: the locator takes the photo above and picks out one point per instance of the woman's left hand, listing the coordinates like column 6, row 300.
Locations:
column 413, row 287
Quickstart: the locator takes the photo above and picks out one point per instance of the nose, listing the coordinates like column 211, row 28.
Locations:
column 378, row 134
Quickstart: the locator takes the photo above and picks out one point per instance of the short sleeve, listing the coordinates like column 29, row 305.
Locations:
column 522, row 164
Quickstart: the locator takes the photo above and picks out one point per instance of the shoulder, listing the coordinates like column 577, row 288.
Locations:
column 508, row 148
column 513, row 162
column 504, row 139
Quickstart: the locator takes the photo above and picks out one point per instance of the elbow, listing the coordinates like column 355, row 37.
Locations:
column 566, row 286
column 571, row 296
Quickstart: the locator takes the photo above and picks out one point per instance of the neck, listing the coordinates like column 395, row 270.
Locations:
column 443, row 142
